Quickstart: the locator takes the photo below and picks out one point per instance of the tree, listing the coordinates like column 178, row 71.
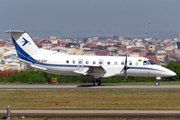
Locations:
column 115, row 51
column 101, row 47
column 72, row 44
column 178, row 44
column 174, row 66
column 166, row 59
column 115, row 37
column 85, row 40
column 150, row 53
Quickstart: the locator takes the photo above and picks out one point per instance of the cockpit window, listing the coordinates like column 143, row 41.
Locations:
column 151, row 62
column 146, row 63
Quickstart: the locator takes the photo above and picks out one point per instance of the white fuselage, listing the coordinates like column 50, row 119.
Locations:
column 63, row 64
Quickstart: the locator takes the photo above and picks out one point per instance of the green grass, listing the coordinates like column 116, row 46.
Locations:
column 91, row 99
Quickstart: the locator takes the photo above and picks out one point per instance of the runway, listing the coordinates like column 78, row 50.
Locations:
column 94, row 113
column 89, row 87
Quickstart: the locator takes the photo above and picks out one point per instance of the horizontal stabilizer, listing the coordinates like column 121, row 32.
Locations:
column 15, row 31
column 37, row 67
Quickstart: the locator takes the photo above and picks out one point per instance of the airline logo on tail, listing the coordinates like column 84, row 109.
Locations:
column 25, row 42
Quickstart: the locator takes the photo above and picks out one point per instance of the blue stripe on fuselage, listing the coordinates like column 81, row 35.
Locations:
column 63, row 65
column 142, row 68
column 59, row 65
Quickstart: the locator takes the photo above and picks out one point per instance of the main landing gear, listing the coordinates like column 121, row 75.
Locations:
column 96, row 82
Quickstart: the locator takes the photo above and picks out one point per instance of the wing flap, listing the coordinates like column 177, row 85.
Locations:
column 83, row 72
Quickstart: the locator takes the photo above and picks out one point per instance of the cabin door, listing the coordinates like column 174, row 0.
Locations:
column 80, row 64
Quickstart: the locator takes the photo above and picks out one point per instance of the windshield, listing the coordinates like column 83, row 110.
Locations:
column 151, row 62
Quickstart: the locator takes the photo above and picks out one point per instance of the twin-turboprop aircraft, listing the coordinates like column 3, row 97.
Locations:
column 96, row 66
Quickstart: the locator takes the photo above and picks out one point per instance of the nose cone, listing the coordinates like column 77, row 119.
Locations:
column 166, row 72
column 171, row 73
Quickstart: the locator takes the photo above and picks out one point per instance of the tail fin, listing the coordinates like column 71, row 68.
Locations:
column 25, row 46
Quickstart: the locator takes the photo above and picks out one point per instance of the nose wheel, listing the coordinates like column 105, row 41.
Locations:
column 96, row 82
column 157, row 83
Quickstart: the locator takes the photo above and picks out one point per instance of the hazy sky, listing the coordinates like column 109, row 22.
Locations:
column 87, row 18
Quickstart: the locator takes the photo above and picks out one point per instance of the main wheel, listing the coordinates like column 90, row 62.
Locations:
column 95, row 83
column 99, row 82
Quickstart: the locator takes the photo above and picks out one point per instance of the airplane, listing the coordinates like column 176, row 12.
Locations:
column 96, row 66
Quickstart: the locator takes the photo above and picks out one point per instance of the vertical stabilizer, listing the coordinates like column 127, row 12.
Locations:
column 25, row 46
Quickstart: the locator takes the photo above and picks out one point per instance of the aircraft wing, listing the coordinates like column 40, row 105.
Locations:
column 102, row 71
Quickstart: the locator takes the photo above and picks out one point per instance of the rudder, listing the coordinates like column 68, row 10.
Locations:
column 25, row 46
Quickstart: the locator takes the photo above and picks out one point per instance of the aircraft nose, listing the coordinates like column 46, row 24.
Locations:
column 172, row 73
column 167, row 72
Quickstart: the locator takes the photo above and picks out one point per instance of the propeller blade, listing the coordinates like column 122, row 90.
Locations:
column 125, row 67
column 124, row 74
column 125, row 61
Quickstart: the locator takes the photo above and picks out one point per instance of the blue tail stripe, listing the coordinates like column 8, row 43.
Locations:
column 22, row 54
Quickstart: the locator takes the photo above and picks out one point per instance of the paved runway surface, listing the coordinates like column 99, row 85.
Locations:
column 94, row 113
column 91, row 87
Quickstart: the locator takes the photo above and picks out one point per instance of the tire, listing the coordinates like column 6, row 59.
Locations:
column 95, row 83
column 157, row 84
column 99, row 82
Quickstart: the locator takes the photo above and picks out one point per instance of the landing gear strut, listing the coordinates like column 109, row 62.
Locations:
column 157, row 83
column 96, row 82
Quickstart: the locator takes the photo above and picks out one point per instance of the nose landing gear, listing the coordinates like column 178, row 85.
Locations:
column 157, row 83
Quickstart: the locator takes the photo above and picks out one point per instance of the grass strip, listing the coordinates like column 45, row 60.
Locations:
column 91, row 99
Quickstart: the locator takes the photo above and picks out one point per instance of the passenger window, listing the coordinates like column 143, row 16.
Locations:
column 67, row 61
column 94, row 62
column 74, row 62
column 122, row 63
column 108, row 63
column 136, row 63
column 100, row 62
column 87, row 62
column 80, row 62
column 130, row 63
column 115, row 63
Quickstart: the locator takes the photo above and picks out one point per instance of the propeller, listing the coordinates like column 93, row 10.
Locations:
column 125, row 68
